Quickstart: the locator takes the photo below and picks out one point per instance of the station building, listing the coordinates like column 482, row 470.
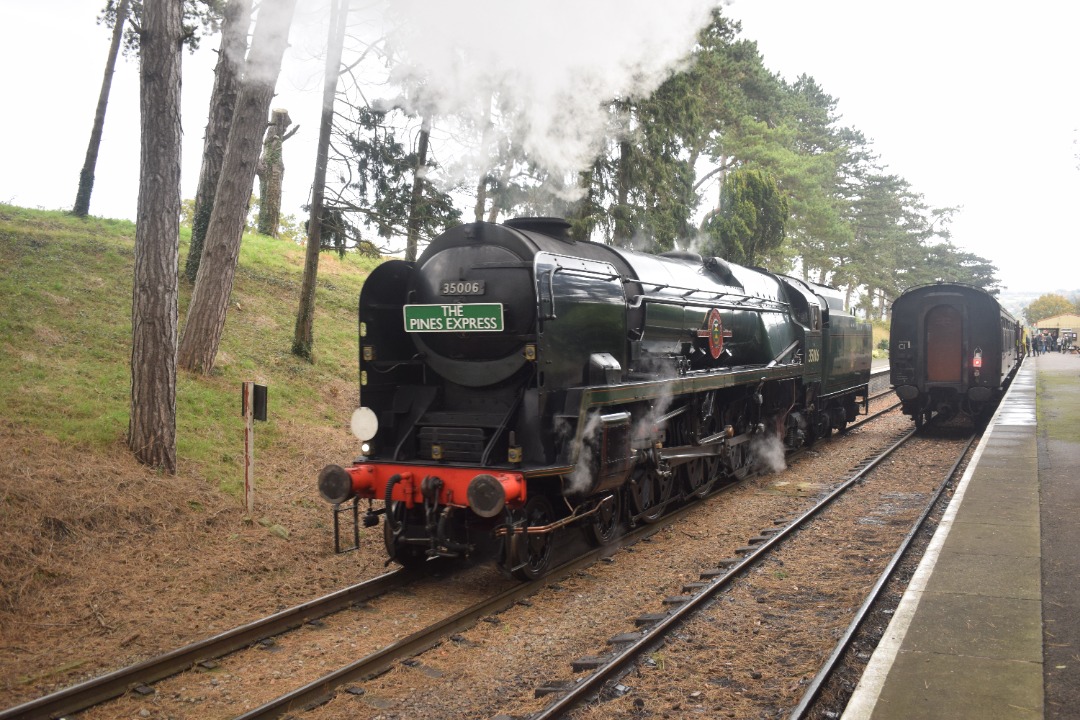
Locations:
column 1057, row 325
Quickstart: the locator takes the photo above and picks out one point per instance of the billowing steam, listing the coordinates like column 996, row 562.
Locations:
column 767, row 453
column 645, row 428
column 546, row 67
column 586, row 445
column 581, row 479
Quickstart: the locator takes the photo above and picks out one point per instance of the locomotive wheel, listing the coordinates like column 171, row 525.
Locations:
column 393, row 530
column 648, row 493
column 696, row 476
column 604, row 527
column 699, row 476
column 740, row 461
column 535, row 550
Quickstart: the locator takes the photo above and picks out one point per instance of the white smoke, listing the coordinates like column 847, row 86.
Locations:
column 696, row 243
column 581, row 479
column 550, row 66
column 767, row 453
column 647, row 428
column 272, row 22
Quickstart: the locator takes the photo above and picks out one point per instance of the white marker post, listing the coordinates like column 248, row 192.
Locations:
column 253, row 407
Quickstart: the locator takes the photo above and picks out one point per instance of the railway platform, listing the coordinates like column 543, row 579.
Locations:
column 990, row 624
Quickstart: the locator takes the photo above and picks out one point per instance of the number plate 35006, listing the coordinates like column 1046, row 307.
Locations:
column 462, row 287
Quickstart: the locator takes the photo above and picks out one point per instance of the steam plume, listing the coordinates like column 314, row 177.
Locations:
column 551, row 64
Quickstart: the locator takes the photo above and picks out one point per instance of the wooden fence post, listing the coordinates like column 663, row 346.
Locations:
column 248, row 404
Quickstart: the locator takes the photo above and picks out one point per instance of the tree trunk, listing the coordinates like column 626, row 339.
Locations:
column 213, row 284
column 271, row 172
column 86, row 177
column 416, row 203
column 623, row 232
column 486, row 173
column 154, row 314
column 234, row 30
column 304, row 333
column 481, row 198
column 497, row 183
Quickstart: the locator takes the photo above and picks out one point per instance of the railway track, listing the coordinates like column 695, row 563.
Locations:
column 603, row 683
column 138, row 677
column 655, row 627
column 847, row 639
column 100, row 689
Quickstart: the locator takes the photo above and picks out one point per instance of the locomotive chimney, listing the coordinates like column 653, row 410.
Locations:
column 557, row 228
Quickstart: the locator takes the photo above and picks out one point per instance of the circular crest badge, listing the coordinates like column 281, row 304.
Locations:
column 715, row 327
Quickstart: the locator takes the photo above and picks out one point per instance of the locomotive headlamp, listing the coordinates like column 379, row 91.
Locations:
column 366, row 448
column 364, row 423
column 436, row 452
column 530, row 352
column 368, row 353
column 335, row 485
column 977, row 360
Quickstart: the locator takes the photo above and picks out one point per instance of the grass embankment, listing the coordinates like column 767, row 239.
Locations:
column 104, row 562
column 65, row 340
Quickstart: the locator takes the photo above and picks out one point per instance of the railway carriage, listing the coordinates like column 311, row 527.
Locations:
column 514, row 381
column 952, row 349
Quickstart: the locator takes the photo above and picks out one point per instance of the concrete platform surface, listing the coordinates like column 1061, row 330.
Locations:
column 987, row 621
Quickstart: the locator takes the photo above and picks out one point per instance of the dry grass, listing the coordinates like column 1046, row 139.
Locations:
column 104, row 562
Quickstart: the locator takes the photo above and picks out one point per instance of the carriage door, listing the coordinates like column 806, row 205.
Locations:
column 944, row 337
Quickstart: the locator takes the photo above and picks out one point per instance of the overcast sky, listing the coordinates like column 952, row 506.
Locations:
column 974, row 103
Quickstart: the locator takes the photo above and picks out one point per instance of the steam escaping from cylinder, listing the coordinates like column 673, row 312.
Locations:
column 767, row 453
column 645, row 430
column 585, row 449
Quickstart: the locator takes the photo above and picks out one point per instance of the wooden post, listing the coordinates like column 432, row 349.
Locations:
column 249, row 444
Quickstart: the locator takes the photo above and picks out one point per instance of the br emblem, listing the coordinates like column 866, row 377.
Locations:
column 715, row 332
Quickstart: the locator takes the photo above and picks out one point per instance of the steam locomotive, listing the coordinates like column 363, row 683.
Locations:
column 953, row 349
column 515, row 382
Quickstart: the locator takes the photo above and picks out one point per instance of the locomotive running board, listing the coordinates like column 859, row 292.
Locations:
column 595, row 398
column 691, row 383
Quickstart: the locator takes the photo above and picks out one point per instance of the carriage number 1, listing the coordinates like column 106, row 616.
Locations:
column 463, row 287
